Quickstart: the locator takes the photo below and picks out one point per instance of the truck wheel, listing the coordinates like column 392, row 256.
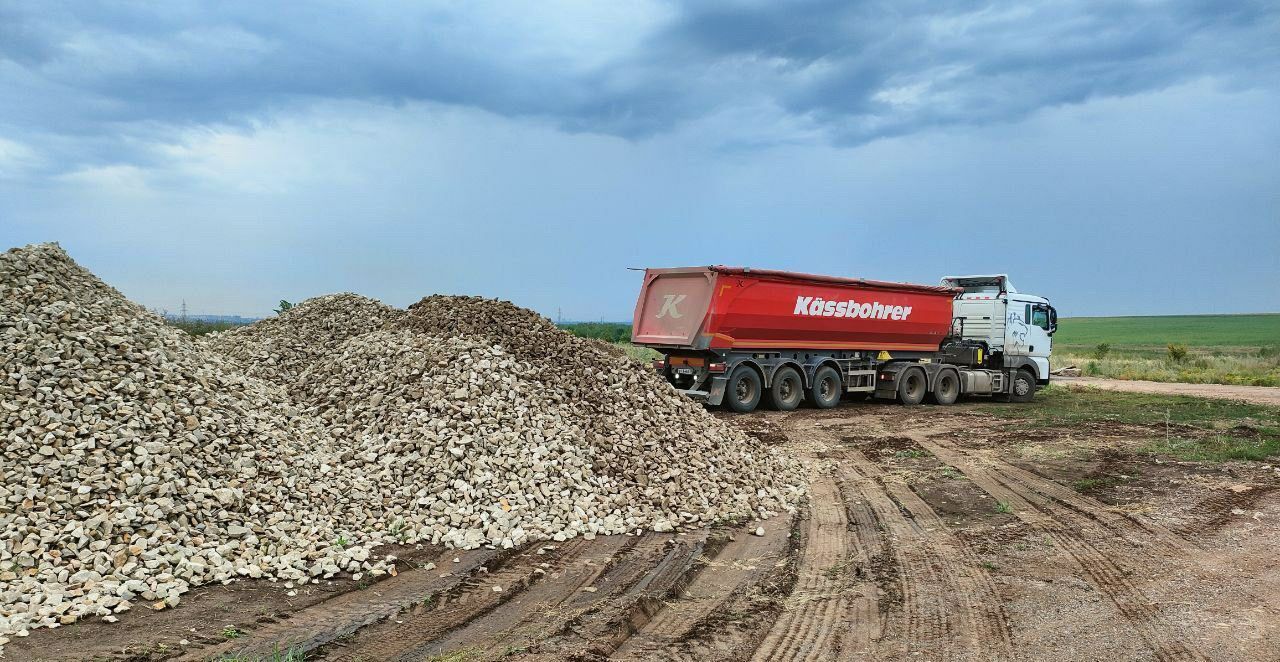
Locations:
column 1024, row 386
column 743, row 393
column 912, row 386
column 825, row 391
column 946, row 388
column 787, row 389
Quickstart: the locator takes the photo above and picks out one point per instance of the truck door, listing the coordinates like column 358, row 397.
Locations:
column 1028, row 325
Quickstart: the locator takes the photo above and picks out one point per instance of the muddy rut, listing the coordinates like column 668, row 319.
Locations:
column 920, row 539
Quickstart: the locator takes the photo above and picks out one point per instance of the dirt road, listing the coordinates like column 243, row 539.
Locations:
column 1263, row 395
column 929, row 534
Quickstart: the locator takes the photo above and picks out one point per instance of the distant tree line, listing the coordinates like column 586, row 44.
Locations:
column 607, row 331
column 197, row 327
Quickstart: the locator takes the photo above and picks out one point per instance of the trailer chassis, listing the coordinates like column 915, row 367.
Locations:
column 708, row 375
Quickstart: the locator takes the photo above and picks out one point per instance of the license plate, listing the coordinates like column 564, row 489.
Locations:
column 684, row 371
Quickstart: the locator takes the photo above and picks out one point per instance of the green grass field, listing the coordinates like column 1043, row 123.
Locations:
column 1219, row 349
column 1234, row 331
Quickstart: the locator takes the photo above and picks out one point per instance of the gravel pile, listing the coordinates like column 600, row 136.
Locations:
column 662, row 452
column 138, row 462
column 280, row 348
column 135, row 464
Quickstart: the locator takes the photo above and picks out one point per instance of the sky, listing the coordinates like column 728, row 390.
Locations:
column 1117, row 158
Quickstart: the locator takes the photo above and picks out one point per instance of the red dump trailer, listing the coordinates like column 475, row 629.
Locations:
column 737, row 336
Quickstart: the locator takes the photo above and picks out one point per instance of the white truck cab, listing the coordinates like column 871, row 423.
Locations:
column 1018, row 328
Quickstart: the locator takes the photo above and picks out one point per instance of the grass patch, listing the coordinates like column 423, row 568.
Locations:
column 1002, row 507
column 1220, row 448
column 639, row 353
column 1197, row 349
column 1184, row 427
column 460, row 655
column 1197, row 365
column 1090, row 484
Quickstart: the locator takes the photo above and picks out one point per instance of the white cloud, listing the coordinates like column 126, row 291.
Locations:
column 17, row 159
column 118, row 179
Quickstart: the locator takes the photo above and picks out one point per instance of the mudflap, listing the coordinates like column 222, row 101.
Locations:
column 715, row 394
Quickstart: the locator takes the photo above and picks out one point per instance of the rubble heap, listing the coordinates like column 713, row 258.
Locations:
column 138, row 462
column 280, row 348
column 663, row 452
column 135, row 464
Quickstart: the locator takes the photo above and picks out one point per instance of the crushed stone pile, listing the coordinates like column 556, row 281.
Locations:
column 484, row 424
column 138, row 462
column 136, row 465
column 658, row 449
column 278, row 349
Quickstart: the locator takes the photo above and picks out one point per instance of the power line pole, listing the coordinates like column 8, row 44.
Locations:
column 184, row 310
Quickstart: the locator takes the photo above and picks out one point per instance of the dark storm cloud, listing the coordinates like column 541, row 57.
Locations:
column 966, row 62
column 854, row 71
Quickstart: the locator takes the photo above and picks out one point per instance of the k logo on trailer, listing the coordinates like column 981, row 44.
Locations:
column 669, row 306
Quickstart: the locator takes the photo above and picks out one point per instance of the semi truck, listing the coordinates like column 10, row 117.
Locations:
column 740, row 337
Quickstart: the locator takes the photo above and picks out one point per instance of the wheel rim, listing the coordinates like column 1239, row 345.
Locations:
column 744, row 389
column 914, row 386
column 1022, row 386
column 948, row 386
column 787, row 389
column 826, row 388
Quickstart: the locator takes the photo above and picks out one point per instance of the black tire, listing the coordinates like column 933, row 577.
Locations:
column 826, row 389
column 1024, row 386
column 946, row 388
column 743, row 392
column 787, row 390
column 912, row 386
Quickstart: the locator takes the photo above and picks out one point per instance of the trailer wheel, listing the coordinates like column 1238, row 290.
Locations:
column 912, row 386
column 787, row 389
column 743, row 392
column 825, row 391
column 1024, row 386
column 946, row 388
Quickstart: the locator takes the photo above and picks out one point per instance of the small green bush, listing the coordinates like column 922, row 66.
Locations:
column 1177, row 352
column 1100, row 352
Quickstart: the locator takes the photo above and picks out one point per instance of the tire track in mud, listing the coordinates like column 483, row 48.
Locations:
column 344, row 614
column 909, row 586
column 950, row 607
column 1086, row 532
column 637, row 590
column 821, row 606
column 406, row 634
column 740, row 563
column 530, row 616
